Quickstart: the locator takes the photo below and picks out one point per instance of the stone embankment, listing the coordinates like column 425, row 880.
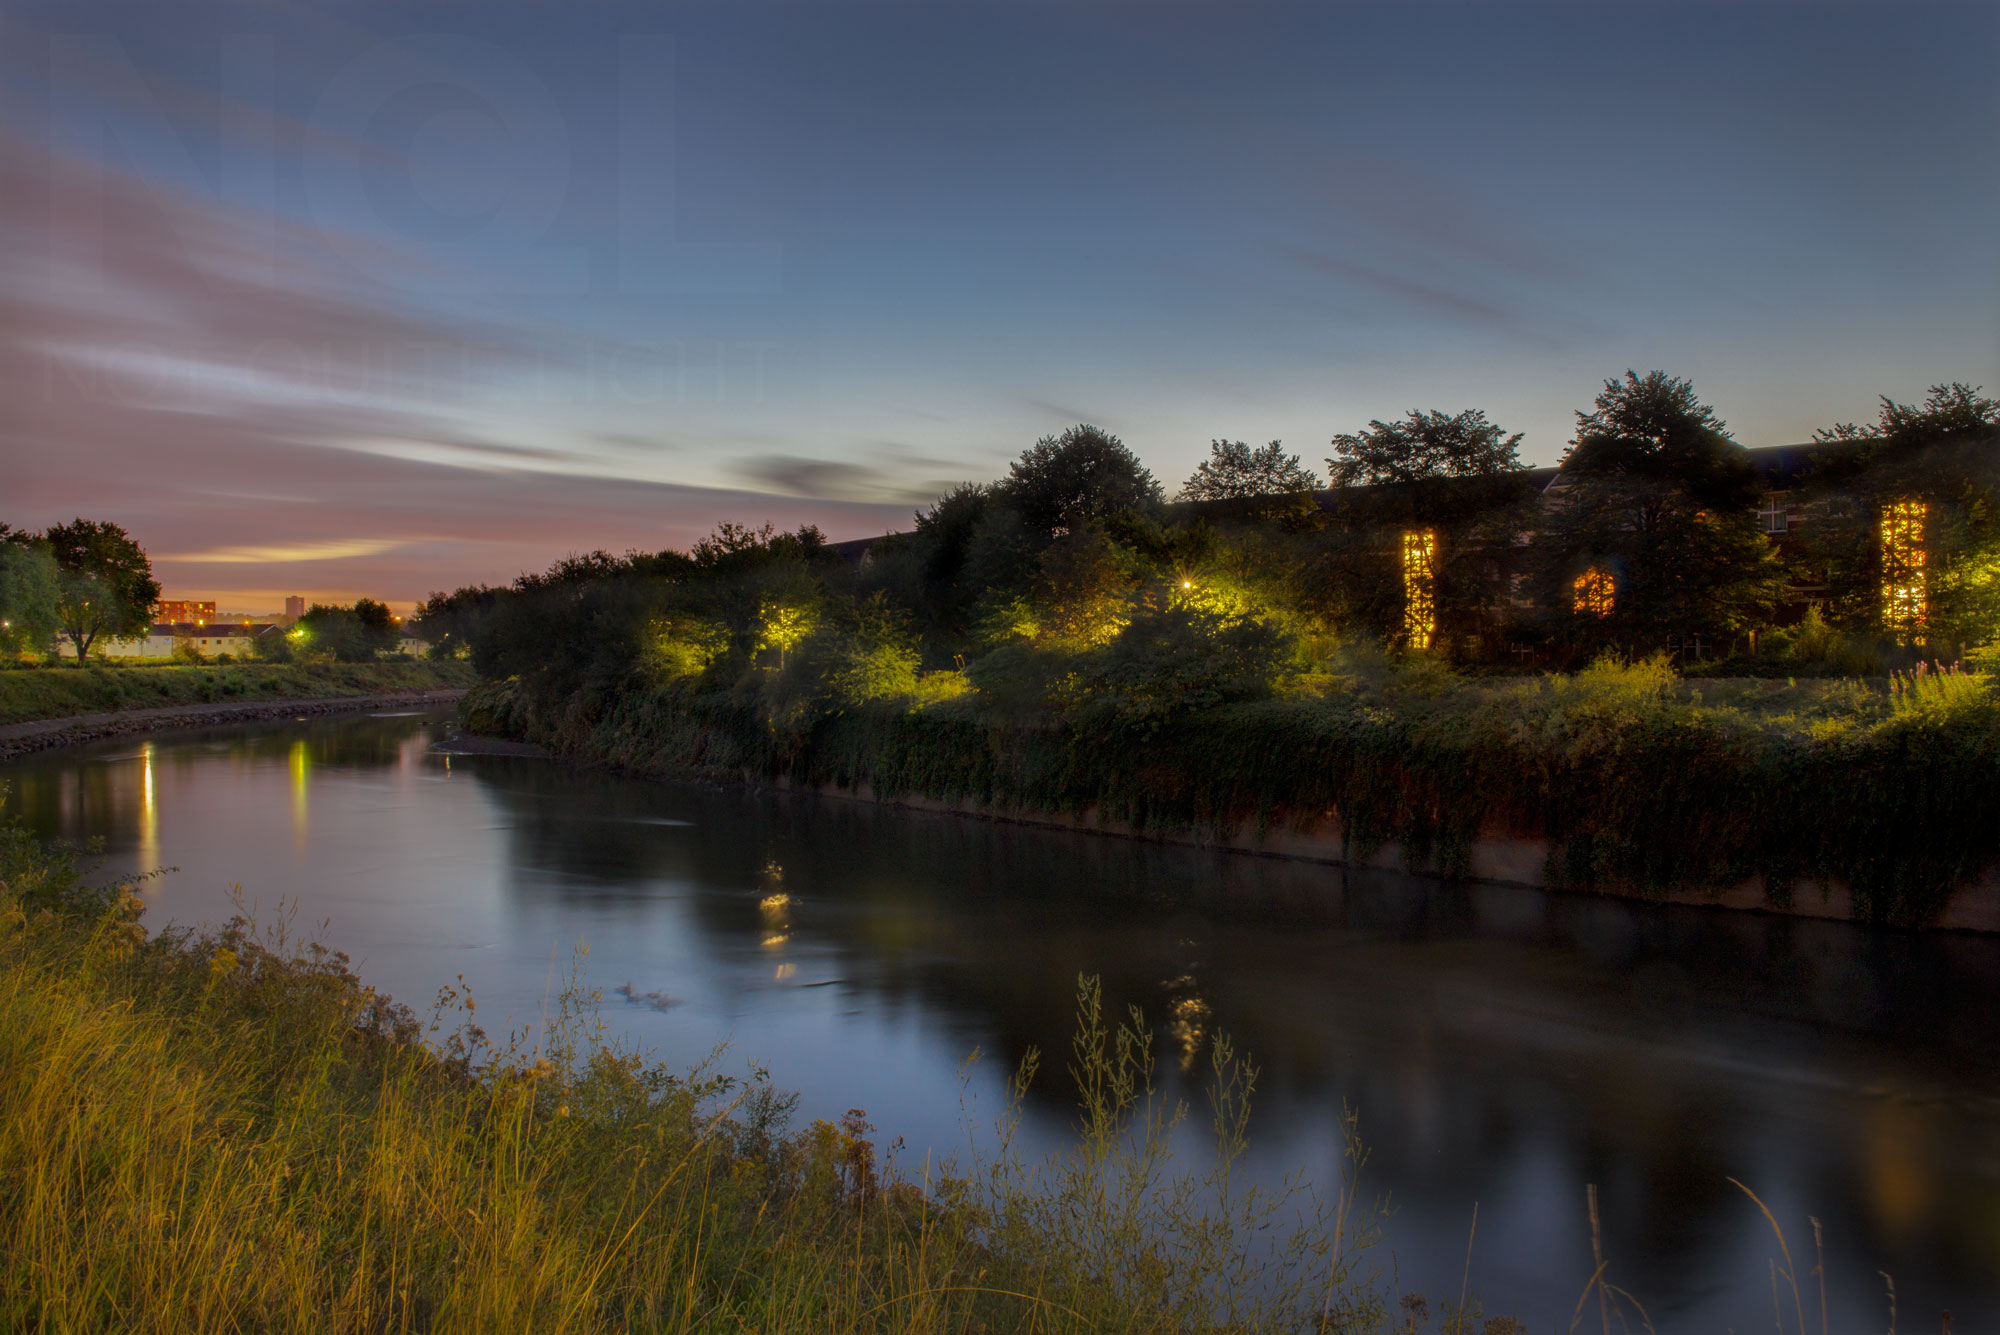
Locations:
column 19, row 739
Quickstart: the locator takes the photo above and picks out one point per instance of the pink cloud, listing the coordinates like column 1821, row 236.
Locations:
column 149, row 377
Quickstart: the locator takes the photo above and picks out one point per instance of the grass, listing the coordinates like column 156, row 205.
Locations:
column 228, row 1131
column 27, row 694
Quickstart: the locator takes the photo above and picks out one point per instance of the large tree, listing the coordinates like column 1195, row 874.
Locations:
column 1235, row 471
column 1654, row 511
column 1082, row 475
column 105, row 585
column 1424, row 445
column 29, row 591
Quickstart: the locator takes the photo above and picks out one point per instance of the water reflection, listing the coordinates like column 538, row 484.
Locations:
column 1502, row 1046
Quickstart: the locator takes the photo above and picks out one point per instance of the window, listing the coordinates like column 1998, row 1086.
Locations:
column 1904, row 602
column 1593, row 592
column 1772, row 515
column 1419, row 587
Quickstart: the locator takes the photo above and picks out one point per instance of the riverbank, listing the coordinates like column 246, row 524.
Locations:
column 59, row 706
column 1825, row 799
column 22, row 739
column 230, row 1130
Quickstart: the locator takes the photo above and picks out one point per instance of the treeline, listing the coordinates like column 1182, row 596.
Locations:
column 1073, row 585
column 82, row 584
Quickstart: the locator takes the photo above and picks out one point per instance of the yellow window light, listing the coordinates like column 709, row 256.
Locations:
column 1594, row 592
column 1419, row 587
column 1904, row 602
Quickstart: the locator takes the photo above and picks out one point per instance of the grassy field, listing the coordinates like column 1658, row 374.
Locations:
column 230, row 1132
column 27, row 694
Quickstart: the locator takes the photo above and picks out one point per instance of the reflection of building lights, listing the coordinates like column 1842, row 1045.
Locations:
column 1419, row 587
column 1593, row 592
column 300, row 764
column 149, row 813
column 1188, row 1028
column 1904, row 604
column 785, row 971
column 776, row 940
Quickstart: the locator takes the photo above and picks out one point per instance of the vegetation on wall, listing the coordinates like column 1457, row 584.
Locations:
column 1062, row 642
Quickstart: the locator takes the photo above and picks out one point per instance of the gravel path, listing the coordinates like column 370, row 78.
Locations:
column 19, row 739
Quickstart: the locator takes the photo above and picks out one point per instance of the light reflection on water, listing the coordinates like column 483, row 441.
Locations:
column 1502, row 1046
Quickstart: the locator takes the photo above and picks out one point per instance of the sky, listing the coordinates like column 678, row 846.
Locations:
column 388, row 298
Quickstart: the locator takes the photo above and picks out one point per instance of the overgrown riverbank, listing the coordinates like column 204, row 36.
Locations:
column 1634, row 779
column 28, row 694
column 229, row 1131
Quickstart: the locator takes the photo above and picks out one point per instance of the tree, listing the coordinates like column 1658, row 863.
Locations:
column 29, row 594
column 1235, row 470
column 1653, row 428
column 1082, row 475
column 105, row 585
column 1650, row 531
column 353, row 634
column 1424, row 445
column 1951, row 413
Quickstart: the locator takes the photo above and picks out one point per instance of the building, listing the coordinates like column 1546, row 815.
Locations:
column 237, row 641
column 176, row 610
column 295, row 607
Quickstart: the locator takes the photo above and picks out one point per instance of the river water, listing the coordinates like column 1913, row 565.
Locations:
column 1502, row 1047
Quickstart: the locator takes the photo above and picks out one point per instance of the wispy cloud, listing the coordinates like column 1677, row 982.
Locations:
column 333, row 550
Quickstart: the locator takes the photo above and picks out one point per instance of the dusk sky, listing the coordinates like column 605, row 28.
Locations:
column 380, row 299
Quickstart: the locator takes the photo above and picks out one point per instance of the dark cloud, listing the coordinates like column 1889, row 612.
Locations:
column 1427, row 297
column 828, row 479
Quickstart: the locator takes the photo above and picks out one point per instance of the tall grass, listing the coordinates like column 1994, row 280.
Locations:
column 228, row 1131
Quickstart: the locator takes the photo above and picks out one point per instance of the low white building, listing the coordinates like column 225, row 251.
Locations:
column 208, row 641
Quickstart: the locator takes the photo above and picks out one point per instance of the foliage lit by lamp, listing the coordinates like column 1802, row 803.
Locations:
column 1419, row 587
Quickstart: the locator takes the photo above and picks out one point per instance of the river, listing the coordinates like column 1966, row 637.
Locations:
column 1502, row 1047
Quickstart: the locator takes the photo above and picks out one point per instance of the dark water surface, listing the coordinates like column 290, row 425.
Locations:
column 1504, row 1047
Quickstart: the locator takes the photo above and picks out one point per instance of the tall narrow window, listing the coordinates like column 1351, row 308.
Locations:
column 1904, row 604
column 1419, row 587
column 1593, row 592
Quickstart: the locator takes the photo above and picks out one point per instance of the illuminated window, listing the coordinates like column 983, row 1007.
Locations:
column 1904, row 605
column 1593, row 592
column 1419, row 587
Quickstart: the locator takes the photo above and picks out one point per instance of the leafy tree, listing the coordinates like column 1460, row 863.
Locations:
column 1654, row 495
column 450, row 621
column 1424, row 445
column 105, row 584
column 1653, row 429
column 30, row 593
column 1082, row 475
column 351, row 634
column 1234, row 470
